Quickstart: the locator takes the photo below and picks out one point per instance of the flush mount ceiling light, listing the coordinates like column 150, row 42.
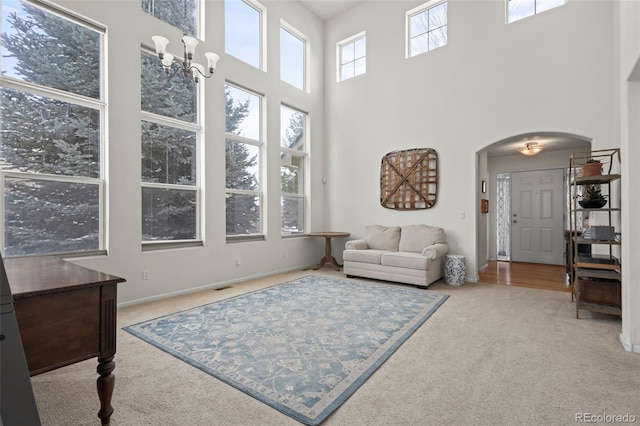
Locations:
column 531, row 148
column 173, row 65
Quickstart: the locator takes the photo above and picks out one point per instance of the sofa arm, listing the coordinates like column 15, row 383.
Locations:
column 436, row 250
column 356, row 245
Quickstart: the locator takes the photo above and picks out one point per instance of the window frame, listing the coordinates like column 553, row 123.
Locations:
column 262, row 31
column 535, row 11
column 198, row 128
column 285, row 26
column 303, row 154
column 99, row 104
column 260, row 143
column 350, row 40
column 417, row 11
column 199, row 25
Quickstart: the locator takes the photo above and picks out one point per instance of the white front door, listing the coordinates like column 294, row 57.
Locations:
column 537, row 224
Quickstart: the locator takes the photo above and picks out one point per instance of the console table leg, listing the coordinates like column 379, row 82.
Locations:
column 105, row 384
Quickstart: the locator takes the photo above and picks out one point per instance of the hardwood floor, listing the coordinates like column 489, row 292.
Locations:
column 533, row 275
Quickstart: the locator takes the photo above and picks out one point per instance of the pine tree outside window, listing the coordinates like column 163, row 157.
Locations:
column 171, row 134
column 293, row 160
column 52, row 115
column 173, row 13
column 244, row 145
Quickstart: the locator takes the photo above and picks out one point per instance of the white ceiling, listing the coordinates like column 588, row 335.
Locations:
column 327, row 9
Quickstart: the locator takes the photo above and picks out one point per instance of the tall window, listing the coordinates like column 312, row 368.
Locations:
column 244, row 145
column 292, row 57
column 292, row 169
column 352, row 56
column 243, row 30
column 182, row 14
column 171, row 135
column 426, row 27
column 519, row 9
column 52, row 124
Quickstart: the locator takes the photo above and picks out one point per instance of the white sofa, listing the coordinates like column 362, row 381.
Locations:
column 411, row 254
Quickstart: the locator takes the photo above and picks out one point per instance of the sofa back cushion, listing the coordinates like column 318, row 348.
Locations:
column 414, row 238
column 380, row 237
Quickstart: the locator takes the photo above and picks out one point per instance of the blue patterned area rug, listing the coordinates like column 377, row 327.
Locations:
column 302, row 347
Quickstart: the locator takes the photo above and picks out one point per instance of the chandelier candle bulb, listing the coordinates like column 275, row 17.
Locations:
column 161, row 45
column 190, row 44
column 167, row 60
column 196, row 75
column 212, row 61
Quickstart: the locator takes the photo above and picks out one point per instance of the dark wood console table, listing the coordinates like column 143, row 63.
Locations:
column 66, row 313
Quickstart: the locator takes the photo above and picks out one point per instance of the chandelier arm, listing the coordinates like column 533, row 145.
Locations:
column 172, row 71
column 194, row 68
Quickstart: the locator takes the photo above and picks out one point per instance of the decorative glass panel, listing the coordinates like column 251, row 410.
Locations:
column 503, row 216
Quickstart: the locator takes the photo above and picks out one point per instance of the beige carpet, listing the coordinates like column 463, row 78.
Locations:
column 490, row 355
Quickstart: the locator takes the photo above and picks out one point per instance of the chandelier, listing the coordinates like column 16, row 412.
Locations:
column 531, row 148
column 189, row 69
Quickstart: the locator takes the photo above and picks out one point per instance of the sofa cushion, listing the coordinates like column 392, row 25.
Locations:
column 414, row 238
column 363, row 256
column 405, row 260
column 380, row 237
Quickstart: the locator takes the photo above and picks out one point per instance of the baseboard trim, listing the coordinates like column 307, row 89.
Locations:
column 628, row 346
column 226, row 283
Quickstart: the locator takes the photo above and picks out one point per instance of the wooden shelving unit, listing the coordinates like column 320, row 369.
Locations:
column 595, row 278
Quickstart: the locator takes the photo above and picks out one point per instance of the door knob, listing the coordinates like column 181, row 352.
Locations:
column 515, row 221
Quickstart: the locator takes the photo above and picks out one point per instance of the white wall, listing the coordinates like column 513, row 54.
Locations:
column 552, row 72
column 484, row 220
column 627, row 19
column 181, row 270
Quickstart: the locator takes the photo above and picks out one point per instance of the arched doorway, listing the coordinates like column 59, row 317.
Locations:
column 504, row 157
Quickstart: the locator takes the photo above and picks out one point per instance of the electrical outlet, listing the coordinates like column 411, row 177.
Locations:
column 238, row 261
column 145, row 274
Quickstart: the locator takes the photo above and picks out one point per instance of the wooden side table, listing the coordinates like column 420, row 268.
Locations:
column 328, row 258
